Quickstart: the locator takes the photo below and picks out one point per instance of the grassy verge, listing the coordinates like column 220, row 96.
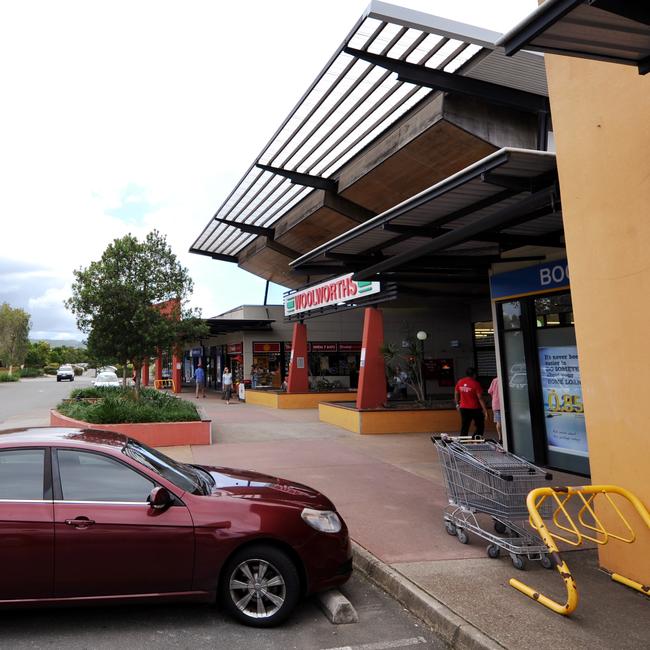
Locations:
column 118, row 405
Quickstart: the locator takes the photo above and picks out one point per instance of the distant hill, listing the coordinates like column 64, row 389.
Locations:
column 55, row 343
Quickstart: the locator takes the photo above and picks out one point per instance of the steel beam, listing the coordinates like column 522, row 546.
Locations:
column 216, row 256
column 639, row 12
column 347, row 208
column 448, row 82
column 281, row 248
column 298, row 178
column 526, row 209
column 248, row 227
column 537, row 25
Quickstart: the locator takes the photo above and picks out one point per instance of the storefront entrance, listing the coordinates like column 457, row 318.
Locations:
column 541, row 381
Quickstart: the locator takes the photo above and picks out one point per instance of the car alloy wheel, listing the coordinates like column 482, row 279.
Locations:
column 260, row 586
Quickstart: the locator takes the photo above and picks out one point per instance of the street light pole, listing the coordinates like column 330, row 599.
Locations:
column 422, row 337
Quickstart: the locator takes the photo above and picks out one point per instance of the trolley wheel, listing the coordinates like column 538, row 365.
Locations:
column 546, row 561
column 500, row 527
column 463, row 537
column 450, row 527
column 493, row 551
column 518, row 562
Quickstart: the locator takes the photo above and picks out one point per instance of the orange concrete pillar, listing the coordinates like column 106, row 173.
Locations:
column 177, row 374
column 159, row 365
column 145, row 371
column 372, row 375
column 298, row 366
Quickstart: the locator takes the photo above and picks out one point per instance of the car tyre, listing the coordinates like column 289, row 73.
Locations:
column 58, row 378
column 260, row 586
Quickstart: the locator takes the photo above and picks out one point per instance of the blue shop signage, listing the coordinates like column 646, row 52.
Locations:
column 532, row 279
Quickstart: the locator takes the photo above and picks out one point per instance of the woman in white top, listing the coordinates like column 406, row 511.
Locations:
column 227, row 384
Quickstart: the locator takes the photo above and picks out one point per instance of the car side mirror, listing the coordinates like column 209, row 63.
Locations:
column 159, row 498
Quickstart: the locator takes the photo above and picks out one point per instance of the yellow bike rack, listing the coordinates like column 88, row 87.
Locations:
column 164, row 383
column 586, row 495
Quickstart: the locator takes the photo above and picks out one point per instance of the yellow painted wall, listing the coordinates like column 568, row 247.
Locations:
column 295, row 400
column 262, row 398
column 339, row 417
column 601, row 121
column 409, row 421
column 390, row 421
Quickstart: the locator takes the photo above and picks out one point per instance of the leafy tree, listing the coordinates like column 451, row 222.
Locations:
column 14, row 333
column 38, row 354
column 115, row 298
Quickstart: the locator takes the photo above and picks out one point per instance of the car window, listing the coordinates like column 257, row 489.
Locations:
column 86, row 476
column 21, row 473
column 107, row 376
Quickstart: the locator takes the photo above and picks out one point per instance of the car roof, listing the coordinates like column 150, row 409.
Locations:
column 52, row 436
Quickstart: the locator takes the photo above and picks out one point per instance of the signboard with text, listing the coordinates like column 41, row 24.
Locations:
column 333, row 292
column 564, row 414
column 531, row 279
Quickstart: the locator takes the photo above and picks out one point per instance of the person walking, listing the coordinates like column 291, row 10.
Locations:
column 199, row 379
column 470, row 403
column 493, row 390
column 399, row 383
column 227, row 384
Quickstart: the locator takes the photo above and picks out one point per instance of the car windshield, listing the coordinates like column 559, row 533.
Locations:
column 65, row 368
column 183, row 476
column 107, row 376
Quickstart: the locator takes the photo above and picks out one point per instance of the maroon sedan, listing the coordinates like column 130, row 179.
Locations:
column 91, row 516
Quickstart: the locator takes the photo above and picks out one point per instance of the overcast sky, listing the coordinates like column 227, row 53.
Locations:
column 121, row 117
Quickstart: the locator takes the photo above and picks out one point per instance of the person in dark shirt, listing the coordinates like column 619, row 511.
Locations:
column 470, row 403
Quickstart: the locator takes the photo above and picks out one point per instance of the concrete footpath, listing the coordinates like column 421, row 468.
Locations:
column 390, row 491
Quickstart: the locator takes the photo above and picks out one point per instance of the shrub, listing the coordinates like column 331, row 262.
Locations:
column 6, row 377
column 51, row 368
column 31, row 372
column 119, row 405
column 78, row 371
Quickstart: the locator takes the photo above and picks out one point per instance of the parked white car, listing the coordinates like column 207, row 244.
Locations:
column 65, row 372
column 107, row 379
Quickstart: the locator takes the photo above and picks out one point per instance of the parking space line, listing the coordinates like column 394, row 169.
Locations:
column 383, row 645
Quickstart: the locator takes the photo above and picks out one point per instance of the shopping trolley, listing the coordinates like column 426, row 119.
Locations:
column 484, row 479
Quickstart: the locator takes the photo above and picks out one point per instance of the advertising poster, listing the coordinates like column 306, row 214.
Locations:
column 562, row 394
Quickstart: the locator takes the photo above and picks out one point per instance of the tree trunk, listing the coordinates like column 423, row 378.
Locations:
column 137, row 371
column 124, row 373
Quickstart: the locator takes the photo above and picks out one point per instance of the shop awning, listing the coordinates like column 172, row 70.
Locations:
column 608, row 30
column 459, row 227
column 225, row 325
column 391, row 61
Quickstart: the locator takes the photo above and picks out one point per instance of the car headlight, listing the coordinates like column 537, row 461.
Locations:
column 324, row 521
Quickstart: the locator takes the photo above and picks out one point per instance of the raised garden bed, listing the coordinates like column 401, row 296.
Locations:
column 156, row 419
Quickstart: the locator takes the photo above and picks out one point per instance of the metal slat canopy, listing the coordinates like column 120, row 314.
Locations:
column 607, row 30
column 351, row 103
column 507, row 200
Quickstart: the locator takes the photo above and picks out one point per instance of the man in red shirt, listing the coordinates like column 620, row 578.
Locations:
column 469, row 401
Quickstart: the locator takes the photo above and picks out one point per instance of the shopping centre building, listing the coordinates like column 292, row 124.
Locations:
column 415, row 187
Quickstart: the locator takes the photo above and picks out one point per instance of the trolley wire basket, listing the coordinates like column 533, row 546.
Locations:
column 481, row 475
column 482, row 478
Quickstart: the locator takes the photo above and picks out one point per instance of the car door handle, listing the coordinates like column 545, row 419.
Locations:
column 80, row 522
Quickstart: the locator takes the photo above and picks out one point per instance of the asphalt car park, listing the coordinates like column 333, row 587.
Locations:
column 383, row 623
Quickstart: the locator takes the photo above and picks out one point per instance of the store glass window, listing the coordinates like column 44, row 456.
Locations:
column 516, row 385
column 554, row 311
column 484, row 351
column 511, row 312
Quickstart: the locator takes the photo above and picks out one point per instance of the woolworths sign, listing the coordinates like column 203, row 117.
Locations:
column 332, row 292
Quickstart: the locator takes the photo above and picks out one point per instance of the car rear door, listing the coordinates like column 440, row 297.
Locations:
column 108, row 540
column 26, row 524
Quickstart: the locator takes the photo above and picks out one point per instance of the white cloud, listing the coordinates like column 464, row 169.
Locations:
column 175, row 99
